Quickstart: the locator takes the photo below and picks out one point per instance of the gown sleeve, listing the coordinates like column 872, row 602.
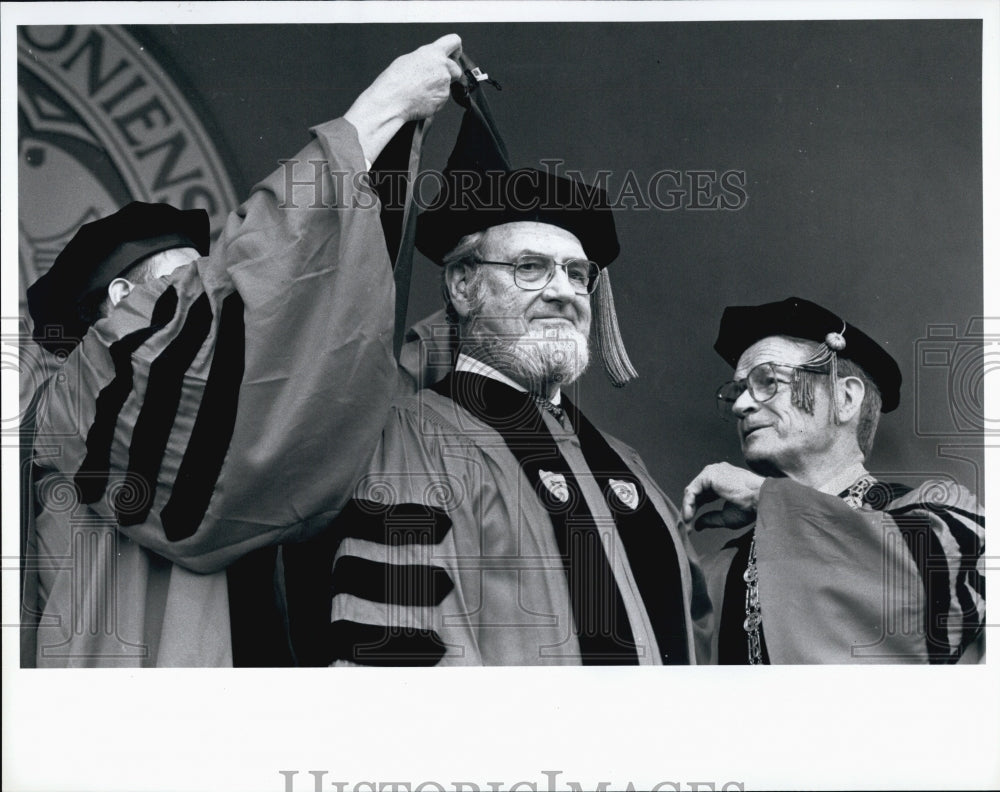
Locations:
column 233, row 403
column 897, row 582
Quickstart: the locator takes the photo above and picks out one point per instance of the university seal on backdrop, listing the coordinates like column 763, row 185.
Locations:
column 100, row 123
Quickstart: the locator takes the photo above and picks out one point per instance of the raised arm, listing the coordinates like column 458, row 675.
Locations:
column 255, row 382
column 414, row 86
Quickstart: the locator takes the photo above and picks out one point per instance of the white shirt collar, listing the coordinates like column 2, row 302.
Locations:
column 472, row 366
column 844, row 479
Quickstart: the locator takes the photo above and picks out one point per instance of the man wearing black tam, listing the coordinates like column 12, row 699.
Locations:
column 835, row 566
column 495, row 524
column 105, row 260
column 100, row 266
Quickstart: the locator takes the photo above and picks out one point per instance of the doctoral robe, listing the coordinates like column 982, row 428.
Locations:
column 898, row 578
column 227, row 407
column 485, row 531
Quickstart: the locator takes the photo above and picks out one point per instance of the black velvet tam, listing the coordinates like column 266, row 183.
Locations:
column 744, row 325
column 97, row 254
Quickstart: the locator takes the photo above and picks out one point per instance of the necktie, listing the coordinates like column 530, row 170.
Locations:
column 554, row 410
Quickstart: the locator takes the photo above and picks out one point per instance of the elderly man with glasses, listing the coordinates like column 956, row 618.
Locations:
column 496, row 525
column 831, row 565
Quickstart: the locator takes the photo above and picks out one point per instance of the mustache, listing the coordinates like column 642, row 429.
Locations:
column 481, row 323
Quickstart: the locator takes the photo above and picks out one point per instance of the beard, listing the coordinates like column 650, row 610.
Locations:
column 536, row 356
column 536, row 359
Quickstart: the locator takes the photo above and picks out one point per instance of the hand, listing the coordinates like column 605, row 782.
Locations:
column 414, row 86
column 419, row 83
column 738, row 487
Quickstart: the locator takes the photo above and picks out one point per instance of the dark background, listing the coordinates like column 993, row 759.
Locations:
column 861, row 144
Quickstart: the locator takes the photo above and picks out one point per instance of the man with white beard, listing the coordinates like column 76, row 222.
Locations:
column 496, row 525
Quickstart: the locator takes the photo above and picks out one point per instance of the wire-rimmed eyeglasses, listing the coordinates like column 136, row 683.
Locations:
column 762, row 381
column 533, row 272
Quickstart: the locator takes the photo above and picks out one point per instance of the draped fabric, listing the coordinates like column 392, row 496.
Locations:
column 480, row 534
column 227, row 407
column 900, row 580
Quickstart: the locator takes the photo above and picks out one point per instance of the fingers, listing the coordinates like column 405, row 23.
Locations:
column 687, row 504
column 454, row 70
column 695, row 493
column 738, row 487
column 700, row 491
column 450, row 45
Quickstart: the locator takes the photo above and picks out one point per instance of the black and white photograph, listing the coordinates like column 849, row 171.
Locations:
column 354, row 341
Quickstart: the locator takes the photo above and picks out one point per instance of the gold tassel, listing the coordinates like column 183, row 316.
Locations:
column 802, row 394
column 835, row 342
column 609, row 338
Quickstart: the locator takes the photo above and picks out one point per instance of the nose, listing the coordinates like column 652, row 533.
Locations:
column 559, row 288
column 744, row 404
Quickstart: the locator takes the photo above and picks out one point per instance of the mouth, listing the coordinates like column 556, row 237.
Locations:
column 749, row 430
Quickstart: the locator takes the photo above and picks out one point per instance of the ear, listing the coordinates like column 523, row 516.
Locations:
column 118, row 289
column 850, row 393
column 457, row 278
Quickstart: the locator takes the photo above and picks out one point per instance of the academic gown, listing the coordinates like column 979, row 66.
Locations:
column 898, row 579
column 485, row 531
column 227, row 407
